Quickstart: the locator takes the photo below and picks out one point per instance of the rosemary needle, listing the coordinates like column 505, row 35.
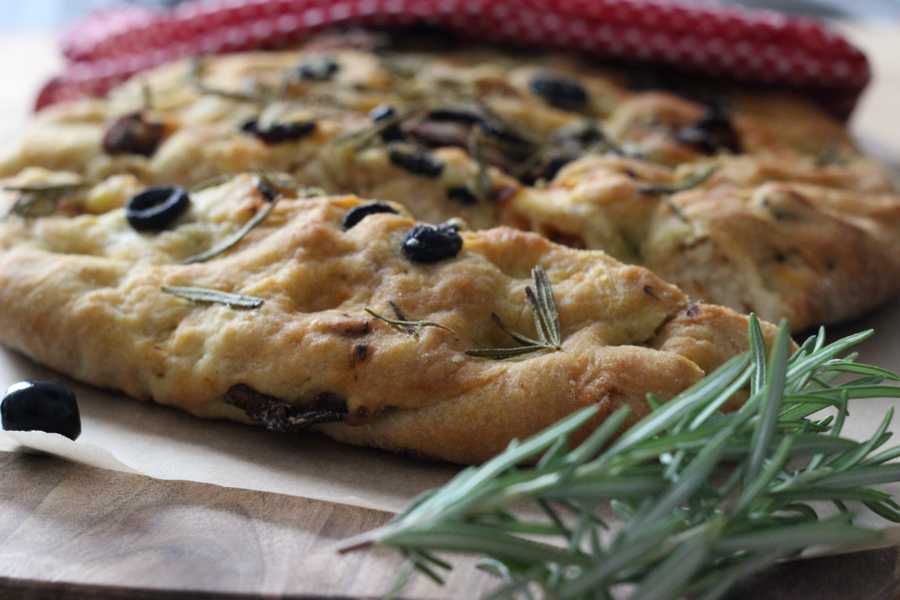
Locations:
column 698, row 178
column 407, row 326
column 241, row 233
column 39, row 200
column 210, row 296
column 546, row 322
column 705, row 498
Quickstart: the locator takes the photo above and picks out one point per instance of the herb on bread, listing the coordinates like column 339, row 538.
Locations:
column 195, row 76
column 546, row 322
column 483, row 184
column 265, row 188
column 407, row 326
column 691, row 181
column 210, row 296
column 40, row 200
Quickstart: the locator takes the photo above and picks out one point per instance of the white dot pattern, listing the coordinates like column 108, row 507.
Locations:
column 107, row 47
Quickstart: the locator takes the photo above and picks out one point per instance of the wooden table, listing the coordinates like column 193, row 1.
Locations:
column 145, row 538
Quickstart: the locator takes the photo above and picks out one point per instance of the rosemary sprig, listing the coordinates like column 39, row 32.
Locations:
column 266, row 188
column 370, row 135
column 147, row 98
column 407, row 326
column 484, row 183
column 39, row 200
column 706, row 498
column 546, row 322
column 693, row 180
column 210, row 296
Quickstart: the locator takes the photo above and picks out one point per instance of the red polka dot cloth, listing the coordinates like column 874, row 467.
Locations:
column 756, row 47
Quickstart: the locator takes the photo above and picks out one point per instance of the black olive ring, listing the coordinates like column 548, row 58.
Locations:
column 155, row 208
column 359, row 213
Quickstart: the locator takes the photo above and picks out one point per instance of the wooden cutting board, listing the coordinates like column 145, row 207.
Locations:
column 69, row 531
column 149, row 539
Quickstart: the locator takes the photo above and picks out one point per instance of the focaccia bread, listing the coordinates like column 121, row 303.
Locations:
column 314, row 340
column 751, row 199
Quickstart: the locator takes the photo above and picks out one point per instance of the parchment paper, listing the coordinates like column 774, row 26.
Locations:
column 161, row 442
column 128, row 435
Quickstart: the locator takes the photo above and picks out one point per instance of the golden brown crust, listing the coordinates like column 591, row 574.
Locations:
column 102, row 317
column 797, row 225
column 792, row 222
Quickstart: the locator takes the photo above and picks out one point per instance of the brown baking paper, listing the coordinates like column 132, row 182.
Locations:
column 128, row 435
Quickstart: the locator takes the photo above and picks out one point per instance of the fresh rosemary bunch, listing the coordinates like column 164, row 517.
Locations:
column 701, row 498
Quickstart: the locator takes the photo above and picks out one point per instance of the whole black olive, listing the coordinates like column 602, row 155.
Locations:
column 455, row 115
column 560, row 92
column 462, row 194
column 416, row 161
column 321, row 68
column 383, row 113
column 429, row 243
column 711, row 133
column 359, row 213
column 278, row 133
column 156, row 208
column 133, row 134
column 41, row 406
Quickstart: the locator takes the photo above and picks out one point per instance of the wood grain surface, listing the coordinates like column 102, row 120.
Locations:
column 63, row 524
column 73, row 532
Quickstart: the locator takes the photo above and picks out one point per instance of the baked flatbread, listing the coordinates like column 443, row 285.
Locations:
column 778, row 212
column 90, row 296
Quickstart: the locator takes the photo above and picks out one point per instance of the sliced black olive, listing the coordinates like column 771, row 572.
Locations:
column 156, row 208
column 429, row 243
column 280, row 415
column 462, row 194
column 266, row 189
column 456, row 115
column 548, row 168
column 359, row 213
column 41, row 406
column 502, row 132
column 383, row 113
column 133, row 134
column 711, row 133
column 560, row 92
column 416, row 161
column 321, row 68
column 278, row 133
